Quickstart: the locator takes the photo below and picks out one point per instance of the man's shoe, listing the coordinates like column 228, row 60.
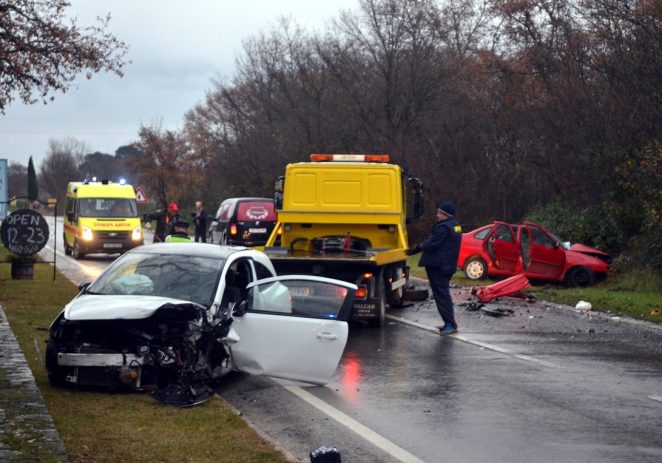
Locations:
column 447, row 330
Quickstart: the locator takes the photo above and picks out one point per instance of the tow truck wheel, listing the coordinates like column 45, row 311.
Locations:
column 380, row 320
column 77, row 253
column 397, row 298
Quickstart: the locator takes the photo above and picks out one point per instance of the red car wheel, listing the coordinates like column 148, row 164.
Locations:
column 475, row 268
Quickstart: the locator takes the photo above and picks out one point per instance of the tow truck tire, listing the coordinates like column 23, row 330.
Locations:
column 475, row 268
column 380, row 320
column 397, row 299
column 76, row 252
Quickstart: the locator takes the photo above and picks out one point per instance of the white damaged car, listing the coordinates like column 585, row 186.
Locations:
column 175, row 317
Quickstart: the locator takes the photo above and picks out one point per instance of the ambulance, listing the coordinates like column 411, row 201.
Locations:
column 100, row 217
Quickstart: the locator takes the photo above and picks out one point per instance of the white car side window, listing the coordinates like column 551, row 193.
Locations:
column 270, row 297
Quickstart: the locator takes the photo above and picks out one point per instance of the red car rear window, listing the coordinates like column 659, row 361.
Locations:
column 256, row 210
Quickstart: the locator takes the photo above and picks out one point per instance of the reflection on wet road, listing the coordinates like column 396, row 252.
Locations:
column 542, row 385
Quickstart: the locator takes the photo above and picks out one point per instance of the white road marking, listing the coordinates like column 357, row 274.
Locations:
column 459, row 337
column 656, row 397
column 361, row 430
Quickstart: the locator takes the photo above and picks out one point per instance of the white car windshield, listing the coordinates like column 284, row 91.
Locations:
column 189, row 278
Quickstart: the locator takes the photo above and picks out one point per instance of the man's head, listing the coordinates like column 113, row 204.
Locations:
column 181, row 226
column 198, row 205
column 446, row 211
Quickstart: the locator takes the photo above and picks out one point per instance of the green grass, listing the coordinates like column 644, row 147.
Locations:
column 635, row 294
column 107, row 427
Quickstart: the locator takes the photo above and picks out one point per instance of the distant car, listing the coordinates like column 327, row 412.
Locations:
column 175, row 317
column 243, row 222
column 503, row 249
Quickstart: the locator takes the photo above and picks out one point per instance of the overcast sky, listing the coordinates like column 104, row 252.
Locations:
column 176, row 49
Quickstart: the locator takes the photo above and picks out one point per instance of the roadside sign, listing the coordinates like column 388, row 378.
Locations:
column 52, row 202
column 141, row 197
column 24, row 232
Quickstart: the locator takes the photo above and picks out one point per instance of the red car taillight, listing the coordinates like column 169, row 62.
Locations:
column 233, row 229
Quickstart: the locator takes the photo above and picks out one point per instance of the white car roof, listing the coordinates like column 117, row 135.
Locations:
column 192, row 249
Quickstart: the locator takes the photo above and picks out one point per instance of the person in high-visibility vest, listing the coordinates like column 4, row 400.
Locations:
column 180, row 233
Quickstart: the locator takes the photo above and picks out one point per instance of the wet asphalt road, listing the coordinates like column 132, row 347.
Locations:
column 545, row 384
column 444, row 399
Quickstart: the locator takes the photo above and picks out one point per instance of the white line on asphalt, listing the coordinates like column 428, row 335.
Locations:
column 361, row 430
column 432, row 329
column 656, row 397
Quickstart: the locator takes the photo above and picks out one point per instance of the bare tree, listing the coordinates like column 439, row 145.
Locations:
column 41, row 51
column 166, row 166
column 61, row 166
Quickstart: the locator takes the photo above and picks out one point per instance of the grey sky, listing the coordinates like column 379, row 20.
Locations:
column 176, row 47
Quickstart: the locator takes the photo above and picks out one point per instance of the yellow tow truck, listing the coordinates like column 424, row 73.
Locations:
column 345, row 216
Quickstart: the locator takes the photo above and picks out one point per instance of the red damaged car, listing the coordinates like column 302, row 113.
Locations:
column 503, row 249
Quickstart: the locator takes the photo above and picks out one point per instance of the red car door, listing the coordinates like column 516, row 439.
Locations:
column 502, row 249
column 546, row 258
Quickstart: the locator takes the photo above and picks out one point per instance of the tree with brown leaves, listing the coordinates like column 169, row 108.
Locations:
column 42, row 51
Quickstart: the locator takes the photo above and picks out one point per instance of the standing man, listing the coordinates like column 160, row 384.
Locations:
column 164, row 221
column 440, row 252
column 200, row 221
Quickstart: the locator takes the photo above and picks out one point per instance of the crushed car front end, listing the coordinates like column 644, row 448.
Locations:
column 176, row 343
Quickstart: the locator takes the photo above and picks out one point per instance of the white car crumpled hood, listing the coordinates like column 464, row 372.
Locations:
column 98, row 307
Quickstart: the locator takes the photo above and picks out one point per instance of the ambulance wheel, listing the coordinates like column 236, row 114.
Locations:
column 67, row 249
column 76, row 252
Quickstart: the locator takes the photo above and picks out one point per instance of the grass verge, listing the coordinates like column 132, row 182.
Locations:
column 120, row 427
column 634, row 294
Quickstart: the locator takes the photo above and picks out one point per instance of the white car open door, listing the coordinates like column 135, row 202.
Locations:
column 292, row 327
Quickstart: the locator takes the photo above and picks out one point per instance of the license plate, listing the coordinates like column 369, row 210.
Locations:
column 112, row 245
column 301, row 292
column 257, row 230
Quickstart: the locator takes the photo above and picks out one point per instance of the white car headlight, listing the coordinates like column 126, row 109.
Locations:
column 87, row 234
column 137, row 234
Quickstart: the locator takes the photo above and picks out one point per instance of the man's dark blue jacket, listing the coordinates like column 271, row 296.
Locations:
column 442, row 248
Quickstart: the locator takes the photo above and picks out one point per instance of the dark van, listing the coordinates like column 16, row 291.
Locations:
column 243, row 222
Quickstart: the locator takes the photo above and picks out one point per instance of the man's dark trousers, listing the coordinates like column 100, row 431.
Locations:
column 442, row 296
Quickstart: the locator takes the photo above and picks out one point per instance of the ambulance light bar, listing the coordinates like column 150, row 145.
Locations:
column 350, row 157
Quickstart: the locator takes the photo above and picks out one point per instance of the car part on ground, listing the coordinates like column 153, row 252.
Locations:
column 508, row 287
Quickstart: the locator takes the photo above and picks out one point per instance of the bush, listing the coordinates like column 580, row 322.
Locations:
column 594, row 227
